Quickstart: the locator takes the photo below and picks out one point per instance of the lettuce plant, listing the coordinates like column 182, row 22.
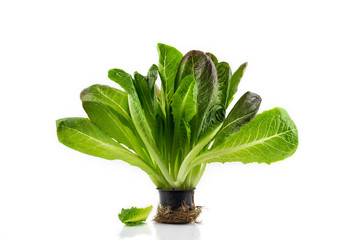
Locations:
column 173, row 132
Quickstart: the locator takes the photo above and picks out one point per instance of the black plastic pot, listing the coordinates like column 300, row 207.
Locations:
column 176, row 198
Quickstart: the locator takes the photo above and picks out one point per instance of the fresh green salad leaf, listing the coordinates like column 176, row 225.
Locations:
column 134, row 216
column 173, row 132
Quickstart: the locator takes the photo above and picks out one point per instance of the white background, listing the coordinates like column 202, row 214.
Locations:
column 303, row 56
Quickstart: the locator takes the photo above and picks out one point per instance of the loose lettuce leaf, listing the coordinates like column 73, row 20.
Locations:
column 271, row 136
column 244, row 110
column 234, row 82
column 134, row 216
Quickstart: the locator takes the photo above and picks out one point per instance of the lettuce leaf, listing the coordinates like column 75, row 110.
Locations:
column 134, row 216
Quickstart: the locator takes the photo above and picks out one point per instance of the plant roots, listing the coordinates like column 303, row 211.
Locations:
column 183, row 214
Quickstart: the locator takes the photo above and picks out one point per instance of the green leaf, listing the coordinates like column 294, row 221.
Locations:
column 244, row 110
column 152, row 75
column 213, row 58
column 145, row 133
column 123, row 79
column 142, row 87
column 271, row 136
column 185, row 135
column 115, row 98
column 169, row 59
column 109, row 122
column 134, row 216
column 141, row 125
column 151, row 78
column 82, row 135
column 216, row 114
column 183, row 110
column 234, row 82
column 202, row 68
column 215, row 117
column 110, row 100
column 139, row 119
column 184, row 100
column 224, row 76
column 184, row 168
column 145, row 88
column 146, row 94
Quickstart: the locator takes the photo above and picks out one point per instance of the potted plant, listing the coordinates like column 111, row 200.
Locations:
column 173, row 132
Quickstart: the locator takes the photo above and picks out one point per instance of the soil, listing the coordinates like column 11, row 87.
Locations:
column 183, row 214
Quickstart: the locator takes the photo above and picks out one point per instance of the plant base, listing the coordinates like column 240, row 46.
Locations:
column 183, row 214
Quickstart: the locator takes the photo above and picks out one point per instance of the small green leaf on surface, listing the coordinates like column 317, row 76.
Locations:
column 134, row 216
